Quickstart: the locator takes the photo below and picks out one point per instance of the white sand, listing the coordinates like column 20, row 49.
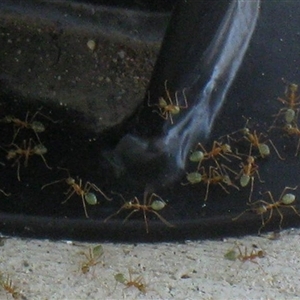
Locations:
column 52, row 270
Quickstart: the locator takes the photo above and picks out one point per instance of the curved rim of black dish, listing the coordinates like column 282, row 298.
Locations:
column 91, row 230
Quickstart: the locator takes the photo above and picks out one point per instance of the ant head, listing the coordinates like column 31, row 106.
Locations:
column 293, row 87
column 260, row 209
column 226, row 148
column 250, row 160
column 227, row 180
column 260, row 253
column 70, row 181
column 245, row 131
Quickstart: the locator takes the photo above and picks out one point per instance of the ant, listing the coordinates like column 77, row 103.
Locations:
column 26, row 152
column 8, row 286
column 247, row 173
column 137, row 282
column 152, row 206
column 232, row 255
column 246, row 256
column 167, row 110
column 92, row 258
column 80, row 190
column 36, row 126
column 293, row 130
column 261, row 207
column 255, row 141
column 213, row 177
column 290, row 111
column 218, row 149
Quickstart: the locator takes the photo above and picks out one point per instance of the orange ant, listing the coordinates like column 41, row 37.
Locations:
column 255, row 141
column 83, row 192
column 261, row 207
column 291, row 103
column 167, row 110
column 218, row 149
column 213, row 177
column 9, row 287
column 138, row 282
column 232, row 255
column 247, row 173
column 293, row 130
column 92, row 258
column 243, row 257
column 26, row 152
column 152, row 206
column 36, row 126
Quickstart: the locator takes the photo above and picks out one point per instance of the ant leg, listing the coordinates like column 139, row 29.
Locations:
column 281, row 217
column 94, row 187
column 163, row 219
column 295, row 210
column 84, row 207
column 146, row 221
column 298, row 147
column 185, row 100
column 251, row 189
column 18, row 170
column 130, row 214
column 207, row 189
column 235, row 218
column 272, row 144
column 114, row 214
column 45, row 162
column 71, row 194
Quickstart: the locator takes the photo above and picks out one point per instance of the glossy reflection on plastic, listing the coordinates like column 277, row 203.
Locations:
column 31, row 211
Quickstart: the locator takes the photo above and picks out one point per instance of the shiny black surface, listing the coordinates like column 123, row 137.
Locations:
column 273, row 54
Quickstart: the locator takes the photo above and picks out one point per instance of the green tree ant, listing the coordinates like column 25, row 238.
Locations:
column 152, row 206
column 26, row 152
column 80, row 190
column 262, row 207
column 92, row 257
column 35, row 126
column 166, row 107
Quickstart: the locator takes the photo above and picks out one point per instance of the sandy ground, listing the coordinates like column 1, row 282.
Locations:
column 43, row 269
